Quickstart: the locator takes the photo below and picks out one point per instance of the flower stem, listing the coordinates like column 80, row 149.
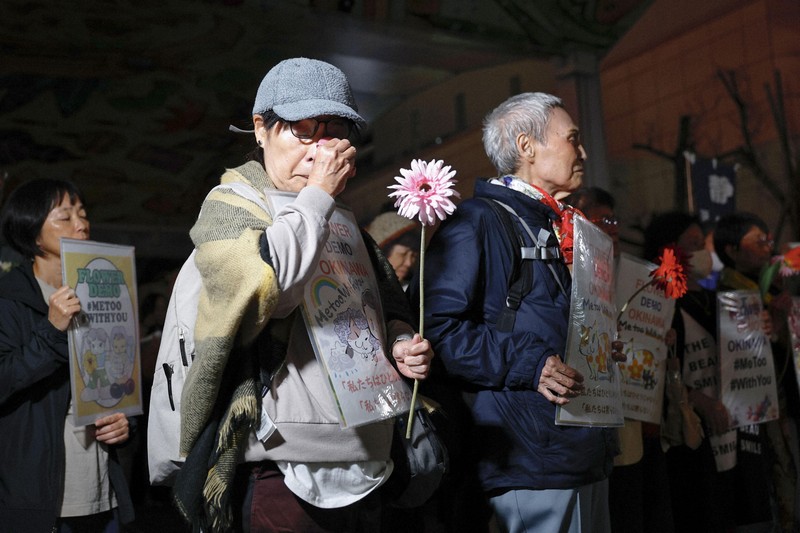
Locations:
column 421, row 324
column 634, row 295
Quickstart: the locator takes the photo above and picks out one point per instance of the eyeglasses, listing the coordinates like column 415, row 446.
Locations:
column 605, row 221
column 335, row 127
column 763, row 242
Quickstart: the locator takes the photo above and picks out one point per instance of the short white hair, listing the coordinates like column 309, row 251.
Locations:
column 523, row 113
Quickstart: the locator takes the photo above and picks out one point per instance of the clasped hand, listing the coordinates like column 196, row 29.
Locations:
column 413, row 357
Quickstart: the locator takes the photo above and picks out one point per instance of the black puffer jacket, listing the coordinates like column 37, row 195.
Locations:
column 34, row 400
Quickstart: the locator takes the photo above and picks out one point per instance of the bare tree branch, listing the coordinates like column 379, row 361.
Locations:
column 748, row 152
column 684, row 143
column 656, row 151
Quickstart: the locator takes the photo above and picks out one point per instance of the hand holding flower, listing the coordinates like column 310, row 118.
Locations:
column 424, row 192
column 413, row 357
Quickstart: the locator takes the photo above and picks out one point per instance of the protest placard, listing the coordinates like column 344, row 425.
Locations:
column 642, row 328
column 344, row 318
column 701, row 373
column 592, row 328
column 747, row 373
column 794, row 331
column 105, row 371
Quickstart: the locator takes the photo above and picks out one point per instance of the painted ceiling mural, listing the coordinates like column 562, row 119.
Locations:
column 132, row 99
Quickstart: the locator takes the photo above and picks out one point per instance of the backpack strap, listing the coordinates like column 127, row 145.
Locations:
column 521, row 279
column 522, row 274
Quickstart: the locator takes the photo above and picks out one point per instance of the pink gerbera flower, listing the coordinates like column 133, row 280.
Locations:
column 785, row 265
column 425, row 191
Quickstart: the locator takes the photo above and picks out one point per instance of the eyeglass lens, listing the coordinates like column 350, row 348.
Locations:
column 334, row 127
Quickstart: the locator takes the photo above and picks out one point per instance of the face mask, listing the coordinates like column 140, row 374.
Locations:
column 700, row 264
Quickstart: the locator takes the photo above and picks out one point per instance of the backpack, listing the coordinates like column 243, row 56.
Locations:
column 521, row 280
column 175, row 356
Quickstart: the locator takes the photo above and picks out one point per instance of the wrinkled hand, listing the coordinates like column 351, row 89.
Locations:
column 712, row 411
column 334, row 164
column 112, row 429
column 413, row 357
column 559, row 382
column 64, row 305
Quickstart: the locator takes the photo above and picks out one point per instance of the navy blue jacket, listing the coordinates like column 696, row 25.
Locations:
column 34, row 400
column 468, row 266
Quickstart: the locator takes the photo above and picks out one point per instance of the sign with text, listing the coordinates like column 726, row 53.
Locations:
column 344, row 318
column 747, row 373
column 701, row 373
column 105, row 371
column 794, row 331
column 642, row 327
column 591, row 329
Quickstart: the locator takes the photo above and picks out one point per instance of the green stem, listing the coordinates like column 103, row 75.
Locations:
column 421, row 325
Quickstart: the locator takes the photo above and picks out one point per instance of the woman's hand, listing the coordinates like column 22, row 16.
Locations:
column 413, row 357
column 112, row 429
column 64, row 305
column 334, row 164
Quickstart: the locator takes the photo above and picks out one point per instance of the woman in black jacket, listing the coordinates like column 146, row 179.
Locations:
column 53, row 476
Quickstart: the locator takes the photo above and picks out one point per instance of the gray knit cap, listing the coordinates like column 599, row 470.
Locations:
column 303, row 88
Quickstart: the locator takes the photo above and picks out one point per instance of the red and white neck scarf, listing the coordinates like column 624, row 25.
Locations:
column 563, row 227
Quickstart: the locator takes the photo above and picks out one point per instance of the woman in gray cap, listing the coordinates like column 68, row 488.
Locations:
column 254, row 358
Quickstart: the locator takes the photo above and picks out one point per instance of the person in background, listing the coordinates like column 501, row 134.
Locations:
column 535, row 475
column 765, row 466
column 398, row 238
column 710, row 281
column 255, row 361
column 53, row 476
column 598, row 206
column 701, row 496
column 632, row 508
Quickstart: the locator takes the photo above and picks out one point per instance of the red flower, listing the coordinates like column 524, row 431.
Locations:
column 786, row 265
column 791, row 262
column 670, row 276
